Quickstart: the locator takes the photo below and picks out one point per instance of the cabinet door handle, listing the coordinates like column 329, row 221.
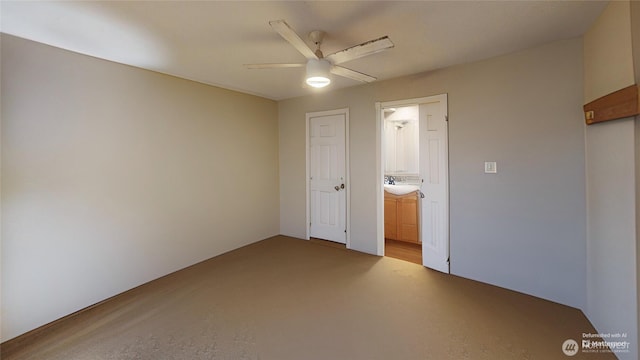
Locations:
column 422, row 195
column 337, row 188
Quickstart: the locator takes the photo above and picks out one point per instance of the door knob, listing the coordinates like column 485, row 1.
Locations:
column 341, row 186
column 337, row 188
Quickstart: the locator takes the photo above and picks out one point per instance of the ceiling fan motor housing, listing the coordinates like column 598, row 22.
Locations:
column 316, row 36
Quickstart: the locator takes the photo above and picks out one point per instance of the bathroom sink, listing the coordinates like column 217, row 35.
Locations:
column 400, row 189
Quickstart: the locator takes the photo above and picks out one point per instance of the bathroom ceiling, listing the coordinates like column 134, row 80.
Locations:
column 209, row 41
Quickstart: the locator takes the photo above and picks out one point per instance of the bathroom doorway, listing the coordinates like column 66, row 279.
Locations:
column 413, row 197
column 401, row 155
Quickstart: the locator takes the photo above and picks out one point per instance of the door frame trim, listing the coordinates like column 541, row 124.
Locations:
column 309, row 115
column 380, row 165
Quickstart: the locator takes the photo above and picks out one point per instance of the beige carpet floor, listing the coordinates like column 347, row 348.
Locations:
column 285, row 298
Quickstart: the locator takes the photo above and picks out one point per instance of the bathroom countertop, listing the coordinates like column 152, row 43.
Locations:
column 400, row 189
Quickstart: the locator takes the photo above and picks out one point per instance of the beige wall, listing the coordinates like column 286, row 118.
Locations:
column 608, row 64
column 611, row 180
column 635, row 31
column 523, row 228
column 113, row 176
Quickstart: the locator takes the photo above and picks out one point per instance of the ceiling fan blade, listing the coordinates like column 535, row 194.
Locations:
column 358, row 51
column 351, row 74
column 282, row 28
column 272, row 66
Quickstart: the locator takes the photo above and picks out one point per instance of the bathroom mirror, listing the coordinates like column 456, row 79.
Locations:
column 401, row 137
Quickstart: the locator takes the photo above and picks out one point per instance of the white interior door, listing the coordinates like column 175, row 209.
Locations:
column 434, row 173
column 327, row 177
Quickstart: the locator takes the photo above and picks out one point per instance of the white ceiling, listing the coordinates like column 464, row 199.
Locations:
column 209, row 41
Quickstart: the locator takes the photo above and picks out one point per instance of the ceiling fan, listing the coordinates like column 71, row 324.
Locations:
column 318, row 66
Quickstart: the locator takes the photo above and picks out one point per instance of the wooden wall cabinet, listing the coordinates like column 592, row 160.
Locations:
column 401, row 217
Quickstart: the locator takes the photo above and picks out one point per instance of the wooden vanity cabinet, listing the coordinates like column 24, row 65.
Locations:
column 390, row 217
column 401, row 217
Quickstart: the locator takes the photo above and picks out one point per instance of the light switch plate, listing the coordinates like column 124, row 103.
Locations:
column 490, row 167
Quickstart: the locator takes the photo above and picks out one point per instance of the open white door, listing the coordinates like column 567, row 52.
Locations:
column 434, row 173
column 327, row 176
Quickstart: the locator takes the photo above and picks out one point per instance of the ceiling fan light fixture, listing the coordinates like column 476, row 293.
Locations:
column 318, row 73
